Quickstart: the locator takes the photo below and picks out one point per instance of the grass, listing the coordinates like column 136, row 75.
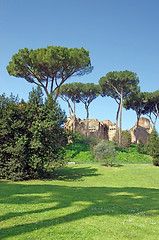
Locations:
column 87, row 201
column 79, row 152
column 131, row 155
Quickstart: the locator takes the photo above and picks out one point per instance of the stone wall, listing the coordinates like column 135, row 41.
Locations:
column 106, row 129
column 142, row 131
column 111, row 129
column 101, row 129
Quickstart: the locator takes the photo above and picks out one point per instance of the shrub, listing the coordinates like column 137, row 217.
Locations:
column 153, row 147
column 155, row 161
column 31, row 137
column 141, row 147
column 104, row 152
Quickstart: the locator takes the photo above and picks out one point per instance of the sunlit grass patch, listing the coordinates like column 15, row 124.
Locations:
column 89, row 201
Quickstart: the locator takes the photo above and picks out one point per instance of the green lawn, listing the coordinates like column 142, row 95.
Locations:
column 85, row 202
column 79, row 152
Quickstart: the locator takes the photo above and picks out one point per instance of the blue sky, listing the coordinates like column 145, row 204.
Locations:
column 120, row 35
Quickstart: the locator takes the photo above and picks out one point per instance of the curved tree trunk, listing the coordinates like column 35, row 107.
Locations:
column 154, row 123
column 157, row 110
column 70, row 108
column 117, row 115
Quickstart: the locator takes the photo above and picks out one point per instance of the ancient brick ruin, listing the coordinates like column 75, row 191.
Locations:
column 106, row 129
column 142, row 131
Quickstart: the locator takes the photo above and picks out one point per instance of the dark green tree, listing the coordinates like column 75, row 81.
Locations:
column 119, row 85
column 48, row 137
column 14, row 140
column 153, row 147
column 137, row 102
column 49, row 67
column 144, row 103
column 151, row 108
column 36, row 96
column 32, row 139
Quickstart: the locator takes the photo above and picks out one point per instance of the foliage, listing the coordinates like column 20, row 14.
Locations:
column 151, row 108
column 13, row 140
column 146, row 103
column 119, row 85
column 125, row 139
column 80, row 150
column 136, row 101
column 49, row 67
column 104, row 152
column 155, row 160
column 31, row 137
column 79, row 92
column 70, row 92
column 131, row 155
column 153, row 147
column 141, row 147
column 36, row 96
column 88, row 92
column 92, row 141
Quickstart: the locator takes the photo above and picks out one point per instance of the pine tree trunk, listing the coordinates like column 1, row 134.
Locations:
column 157, row 110
column 74, row 117
column 117, row 115
column 120, row 121
column 87, row 121
column 154, row 123
column 69, row 107
column 137, row 125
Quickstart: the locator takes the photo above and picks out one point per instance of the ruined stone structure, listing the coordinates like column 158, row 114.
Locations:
column 111, row 129
column 106, row 129
column 101, row 129
column 95, row 128
column 142, row 131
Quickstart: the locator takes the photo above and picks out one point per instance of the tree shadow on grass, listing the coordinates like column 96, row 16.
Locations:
column 74, row 173
column 116, row 165
column 97, row 201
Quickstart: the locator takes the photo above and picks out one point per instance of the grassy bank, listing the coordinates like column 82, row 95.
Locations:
column 79, row 152
column 85, row 202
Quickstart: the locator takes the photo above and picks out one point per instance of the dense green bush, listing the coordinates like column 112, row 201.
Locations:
column 31, row 137
column 125, row 139
column 141, row 148
column 153, row 147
